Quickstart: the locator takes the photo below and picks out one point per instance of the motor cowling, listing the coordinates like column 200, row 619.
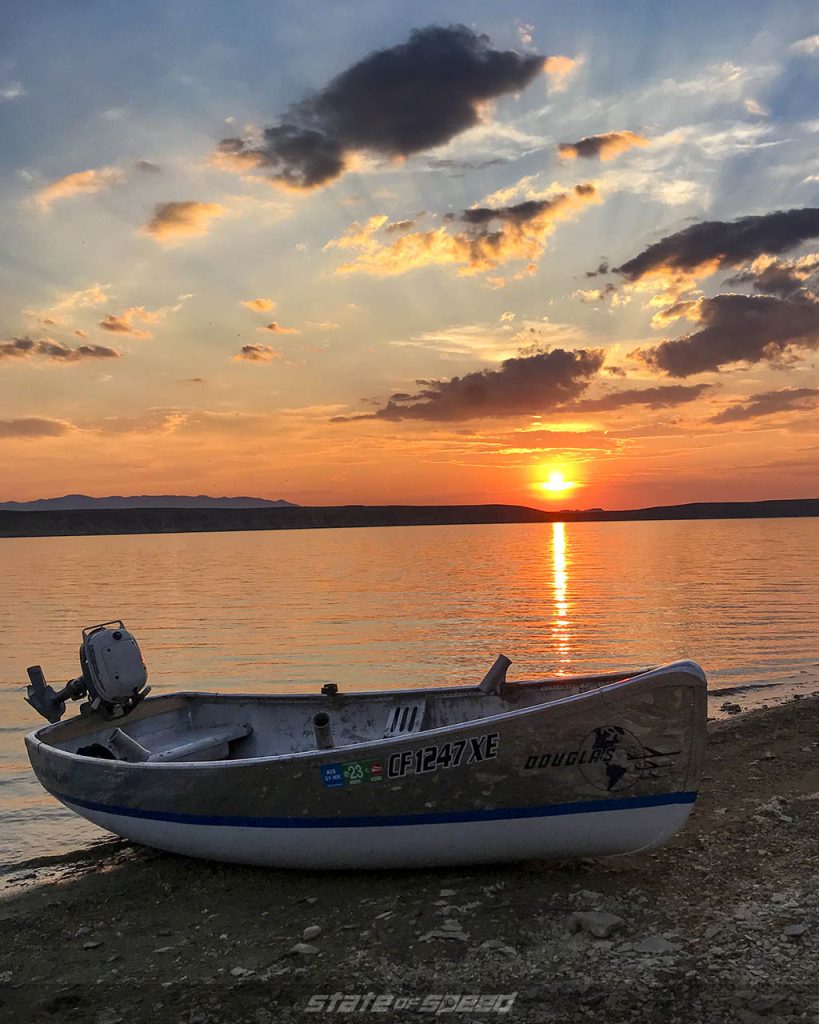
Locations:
column 113, row 676
column 112, row 667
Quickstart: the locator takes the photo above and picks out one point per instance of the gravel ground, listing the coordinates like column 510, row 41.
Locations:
column 719, row 926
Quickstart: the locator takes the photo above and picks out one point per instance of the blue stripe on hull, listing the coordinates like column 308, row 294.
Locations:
column 439, row 818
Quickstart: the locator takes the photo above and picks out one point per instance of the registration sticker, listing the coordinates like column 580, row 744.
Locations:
column 351, row 773
column 332, row 775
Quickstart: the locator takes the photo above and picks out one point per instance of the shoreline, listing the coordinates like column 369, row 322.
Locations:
column 718, row 926
column 107, row 522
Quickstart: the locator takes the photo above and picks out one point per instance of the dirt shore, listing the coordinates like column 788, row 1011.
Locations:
column 719, row 926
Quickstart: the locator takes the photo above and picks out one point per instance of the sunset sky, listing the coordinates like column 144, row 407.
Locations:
column 429, row 253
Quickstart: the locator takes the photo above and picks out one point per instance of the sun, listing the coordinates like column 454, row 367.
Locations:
column 556, row 483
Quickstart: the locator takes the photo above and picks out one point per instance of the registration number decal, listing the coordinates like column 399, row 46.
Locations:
column 451, row 754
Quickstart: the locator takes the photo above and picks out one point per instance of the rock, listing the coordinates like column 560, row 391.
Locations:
column 92, row 944
column 588, row 896
column 655, row 944
column 305, row 949
column 163, row 949
column 447, row 892
column 497, row 946
column 763, row 1003
column 779, row 897
column 793, row 931
column 773, row 808
column 5, row 977
column 596, row 922
column 452, row 926
column 108, row 1016
column 312, row 931
column 241, row 972
column 440, row 933
column 749, row 1017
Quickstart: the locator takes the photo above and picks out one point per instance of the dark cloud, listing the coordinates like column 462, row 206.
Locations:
column 714, row 244
column 768, row 403
column 16, row 348
column 393, row 103
column 603, row 268
column 32, row 426
column 299, row 157
column 62, row 353
column 520, row 213
column 777, row 276
column 54, row 350
column 526, row 384
column 663, row 397
column 447, row 164
column 147, row 166
column 738, row 328
column 601, row 147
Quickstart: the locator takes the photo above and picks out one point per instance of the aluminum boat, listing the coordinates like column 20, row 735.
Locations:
column 582, row 766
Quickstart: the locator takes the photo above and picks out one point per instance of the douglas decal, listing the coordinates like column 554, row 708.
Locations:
column 609, row 758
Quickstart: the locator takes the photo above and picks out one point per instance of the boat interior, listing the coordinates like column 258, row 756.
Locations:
column 185, row 727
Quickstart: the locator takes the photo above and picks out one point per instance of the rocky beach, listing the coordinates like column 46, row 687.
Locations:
column 719, row 926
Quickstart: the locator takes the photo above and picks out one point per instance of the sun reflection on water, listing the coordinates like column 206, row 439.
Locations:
column 561, row 632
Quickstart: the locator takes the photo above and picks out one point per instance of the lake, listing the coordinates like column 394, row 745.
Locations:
column 407, row 606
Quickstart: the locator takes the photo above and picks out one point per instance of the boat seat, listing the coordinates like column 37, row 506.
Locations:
column 195, row 743
column 405, row 719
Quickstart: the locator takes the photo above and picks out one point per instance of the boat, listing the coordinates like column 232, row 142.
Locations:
column 560, row 767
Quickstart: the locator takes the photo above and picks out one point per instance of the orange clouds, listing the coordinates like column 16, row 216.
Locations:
column 257, row 354
column 80, row 183
column 259, row 305
column 172, row 221
column 490, row 238
column 124, row 322
column 559, row 69
column 275, row 328
column 601, row 147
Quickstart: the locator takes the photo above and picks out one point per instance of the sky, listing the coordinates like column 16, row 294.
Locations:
column 560, row 255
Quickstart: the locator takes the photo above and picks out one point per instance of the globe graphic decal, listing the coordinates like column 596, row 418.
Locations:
column 614, row 758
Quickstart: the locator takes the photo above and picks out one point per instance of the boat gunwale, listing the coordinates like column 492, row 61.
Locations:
column 34, row 739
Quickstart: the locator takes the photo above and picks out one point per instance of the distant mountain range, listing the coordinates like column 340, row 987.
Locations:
column 85, row 501
column 56, row 522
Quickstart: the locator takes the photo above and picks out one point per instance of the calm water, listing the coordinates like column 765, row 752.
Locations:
column 407, row 606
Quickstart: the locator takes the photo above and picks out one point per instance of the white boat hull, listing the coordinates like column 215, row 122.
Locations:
column 604, row 829
column 551, row 769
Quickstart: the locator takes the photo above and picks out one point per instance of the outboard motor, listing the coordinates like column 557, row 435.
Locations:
column 113, row 676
